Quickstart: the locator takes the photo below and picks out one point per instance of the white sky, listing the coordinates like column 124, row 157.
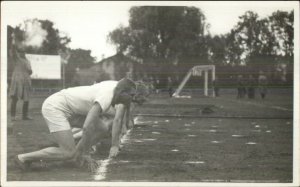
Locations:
column 88, row 23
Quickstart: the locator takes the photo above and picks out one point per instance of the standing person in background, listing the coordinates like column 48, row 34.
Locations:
column 216, row 86
column 170, row 86
column 157, row 85
column 20, row 85
column 262, row 84
column 241, row 87
column 251, row 87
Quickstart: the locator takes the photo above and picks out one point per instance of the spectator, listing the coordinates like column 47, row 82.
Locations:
column 20, row 85
column 262, row 84
column 216, row 86
column 170, row 86
column 251, row 87
column 241, row 87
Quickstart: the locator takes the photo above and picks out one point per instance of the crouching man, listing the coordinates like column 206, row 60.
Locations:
column 91, row 101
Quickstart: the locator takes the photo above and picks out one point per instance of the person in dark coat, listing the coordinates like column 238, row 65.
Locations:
column 262, row 85
column 20, row 86
column 170, row 86
column 216, row 87
column 241, row 87
column 251, row 87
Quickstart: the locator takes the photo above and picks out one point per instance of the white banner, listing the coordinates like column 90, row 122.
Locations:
column 45, row 66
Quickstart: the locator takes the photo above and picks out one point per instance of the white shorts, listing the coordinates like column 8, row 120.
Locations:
column 56, row 112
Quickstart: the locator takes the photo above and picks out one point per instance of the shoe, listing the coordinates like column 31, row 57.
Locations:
column 25, row 166
column 27, row 118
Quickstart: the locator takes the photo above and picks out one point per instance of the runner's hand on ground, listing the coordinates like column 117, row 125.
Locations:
column 88, row 162
column 113, row 151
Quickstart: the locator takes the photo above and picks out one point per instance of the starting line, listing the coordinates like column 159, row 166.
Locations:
column 204, row 116
column 101, row 171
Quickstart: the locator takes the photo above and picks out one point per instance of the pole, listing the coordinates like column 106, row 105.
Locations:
column 63, row 77
column 206, row 82
column 213, row 79
column 186, row 78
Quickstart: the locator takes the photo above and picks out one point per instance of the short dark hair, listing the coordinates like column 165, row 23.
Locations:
column 123, row 85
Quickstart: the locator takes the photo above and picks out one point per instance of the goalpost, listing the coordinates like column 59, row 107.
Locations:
column 197, row 71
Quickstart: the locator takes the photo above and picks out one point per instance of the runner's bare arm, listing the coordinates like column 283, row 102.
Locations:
column 116, row 129
column 127, row 116
column 89, row 129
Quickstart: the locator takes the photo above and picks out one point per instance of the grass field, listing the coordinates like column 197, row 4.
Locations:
column 236, row 141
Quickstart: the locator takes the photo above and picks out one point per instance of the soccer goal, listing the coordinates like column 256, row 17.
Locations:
column 197, row 71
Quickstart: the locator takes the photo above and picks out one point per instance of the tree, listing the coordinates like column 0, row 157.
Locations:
column 217, row 46
column 282, row 26
column 79, row 59
column 166, row 38
column 161, row 32
column 51, row 39
column 253, row 37
column 55, row 40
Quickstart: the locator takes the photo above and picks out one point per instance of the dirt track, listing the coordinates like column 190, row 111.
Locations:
column 181, row 149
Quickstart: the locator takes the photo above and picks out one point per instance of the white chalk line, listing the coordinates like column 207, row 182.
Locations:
column 102, row 170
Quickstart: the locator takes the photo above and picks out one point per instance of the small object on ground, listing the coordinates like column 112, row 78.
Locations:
column 156, row 122
column 149, row 139
column 268, row 131
column 257, row 126
column 207, row 110
column 212, row 130
column 183, row 96
column 124, row 161
column 251, row 143
column 175, row 150
column 167, row 120
column 155, row 132
column 194, row 162
column 237, row 135
column 192, row 135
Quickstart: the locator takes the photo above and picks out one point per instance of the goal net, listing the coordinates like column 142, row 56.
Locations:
column 197, row 71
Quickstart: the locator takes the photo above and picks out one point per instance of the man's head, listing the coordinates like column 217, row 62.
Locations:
column 142, row 92
column 129, row 91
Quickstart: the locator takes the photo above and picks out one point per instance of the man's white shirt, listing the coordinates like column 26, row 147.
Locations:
column 81, row 99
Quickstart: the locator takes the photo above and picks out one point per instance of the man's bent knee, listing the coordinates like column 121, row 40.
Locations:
column 69, row 154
